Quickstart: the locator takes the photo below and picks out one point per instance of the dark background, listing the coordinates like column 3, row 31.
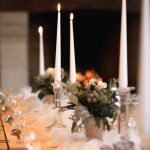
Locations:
column 96, row 31
column 97, row 38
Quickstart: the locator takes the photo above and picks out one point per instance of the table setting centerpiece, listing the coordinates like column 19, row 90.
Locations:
column 94, row 106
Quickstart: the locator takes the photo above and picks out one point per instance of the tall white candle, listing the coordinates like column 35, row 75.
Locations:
column 72, row 53
column 41, row 54
column 58, row 50
column 144, row 70
column 123, row 72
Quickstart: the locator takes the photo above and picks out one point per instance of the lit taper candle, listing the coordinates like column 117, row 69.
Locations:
column 58, row 50
column 41, row 52
column 123, row 69
column 72, row 53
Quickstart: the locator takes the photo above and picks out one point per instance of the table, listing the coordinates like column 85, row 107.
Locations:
column 39, row 118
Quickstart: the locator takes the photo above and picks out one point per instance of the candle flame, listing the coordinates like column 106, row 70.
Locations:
column 71, row 16
column 58, row 7
column 40, row 29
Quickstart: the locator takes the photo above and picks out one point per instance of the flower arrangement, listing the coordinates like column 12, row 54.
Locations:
column 87, row 76
column 43, row 83
column 96, row 100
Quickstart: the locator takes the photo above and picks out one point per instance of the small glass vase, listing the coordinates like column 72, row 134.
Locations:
column 93, row 131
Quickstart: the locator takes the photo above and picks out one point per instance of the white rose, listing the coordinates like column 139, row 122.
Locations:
column 50, row 71
column 92, row 81
column 102, row 85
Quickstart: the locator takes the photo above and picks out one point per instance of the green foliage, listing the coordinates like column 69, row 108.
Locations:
column 43, row 85
column 96, row 100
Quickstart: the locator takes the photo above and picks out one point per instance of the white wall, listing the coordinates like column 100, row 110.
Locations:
column 13, row 49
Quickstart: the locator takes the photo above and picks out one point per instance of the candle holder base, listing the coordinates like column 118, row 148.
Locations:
column 123, row 144
column 123, row 113
column 58, row 121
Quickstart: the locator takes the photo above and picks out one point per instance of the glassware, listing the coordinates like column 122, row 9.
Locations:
column 123, row 140
column 57, row 88
column 19, row 124
column 29, row 139
column 3, row 107
column 57, row 102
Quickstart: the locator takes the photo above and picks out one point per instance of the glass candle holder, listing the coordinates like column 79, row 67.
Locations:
column 57, row 87
column 123, row 139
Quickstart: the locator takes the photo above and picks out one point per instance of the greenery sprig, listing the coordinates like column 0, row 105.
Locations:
column 43, row 83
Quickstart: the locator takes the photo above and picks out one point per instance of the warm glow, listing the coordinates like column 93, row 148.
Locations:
column 92, row 80
column 71, row 16
column 40, row 30
column 58, row 7
column 90, row 74
column 80, row 77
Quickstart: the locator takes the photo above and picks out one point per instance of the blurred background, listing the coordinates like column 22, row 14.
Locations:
column 96, row 34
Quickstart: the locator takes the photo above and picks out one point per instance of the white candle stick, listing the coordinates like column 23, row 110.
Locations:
column 41, row 54
column 72, row 53
column 123, row 72
column 144, row 70
column 58, row 51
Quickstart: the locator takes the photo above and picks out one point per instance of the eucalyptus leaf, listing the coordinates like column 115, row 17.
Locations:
column 85, row 121
column 74, row 124
column 73, row 88
column 73, row 99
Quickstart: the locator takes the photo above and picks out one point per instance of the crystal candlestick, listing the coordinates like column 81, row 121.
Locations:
column 57, row 97
column 57, row 101
column 124, row 113
column 123, row 117
column 57, row 94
